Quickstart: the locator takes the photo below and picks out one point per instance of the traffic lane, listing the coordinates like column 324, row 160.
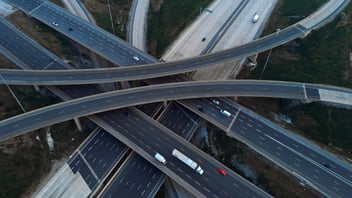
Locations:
column 179, row 120
column 79, row 91
column 305, row 167
column 124, row 184
column 342, row 170
column 102, row 152
column 13, row 44
column 325, row 162
column 312, row 92
column 26, row 5
column 152, row 139
column 141, row 95
column 77, row 164
column 225, row 55
column 255, row 126
column 137, row 178
column 210, row 110
column 35, row 56
column 150, row 109
column 49, row 12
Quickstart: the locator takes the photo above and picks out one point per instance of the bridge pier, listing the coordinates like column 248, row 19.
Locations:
column 306, row 34
column 78, row 124
column 36, row 87
column 165, row 103
column 252, row 61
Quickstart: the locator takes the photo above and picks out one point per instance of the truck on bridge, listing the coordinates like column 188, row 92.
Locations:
column 188, row 161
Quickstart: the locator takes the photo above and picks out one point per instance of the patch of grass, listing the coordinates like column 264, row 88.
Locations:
column 331, row 125
column 164, row 25
column 300, row 7
column 103, row 21
column 119, row 11
column 290, row 11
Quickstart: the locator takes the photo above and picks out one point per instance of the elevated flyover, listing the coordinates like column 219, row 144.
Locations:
column 112, row 100
column 111, row 121
column 121, row 53
column 107, row 101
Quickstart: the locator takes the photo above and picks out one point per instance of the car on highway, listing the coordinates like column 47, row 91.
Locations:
column 160, row 158
column 55, row 23
column 326, row 165
column 215, row 102
column 200, row 109
column 222, row 171
column 225, row 113
column 136, row 58
column 203, row 39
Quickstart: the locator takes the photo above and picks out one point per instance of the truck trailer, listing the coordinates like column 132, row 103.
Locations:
column 188, row 161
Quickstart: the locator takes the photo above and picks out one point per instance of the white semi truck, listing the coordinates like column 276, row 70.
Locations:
column 188, row 161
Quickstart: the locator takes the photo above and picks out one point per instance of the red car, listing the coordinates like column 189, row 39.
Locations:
column 222, row 171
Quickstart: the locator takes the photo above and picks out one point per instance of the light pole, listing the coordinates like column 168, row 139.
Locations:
column 112, row 23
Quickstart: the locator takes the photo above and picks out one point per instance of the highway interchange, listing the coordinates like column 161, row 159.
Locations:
column 217, row 112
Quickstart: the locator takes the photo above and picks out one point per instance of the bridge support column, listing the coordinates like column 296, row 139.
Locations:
column 306, row 34
column 252, row 61
column 306, row 100
column 78, row 124
column 36, row 87
column 165, row 103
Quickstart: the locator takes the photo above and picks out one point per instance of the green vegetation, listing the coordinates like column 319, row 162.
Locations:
column 119, row 11
column 165, row 24
column 330, row 125
column 103, row 21
column 290, row 11
column 300, row 7
column 322, row 57
column 25, row 160
column 20, row 170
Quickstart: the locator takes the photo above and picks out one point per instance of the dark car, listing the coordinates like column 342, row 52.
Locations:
column 326, row 165
column 200, row 109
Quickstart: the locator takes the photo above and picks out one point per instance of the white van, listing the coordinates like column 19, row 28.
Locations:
column 160, row 158
column 225, row 113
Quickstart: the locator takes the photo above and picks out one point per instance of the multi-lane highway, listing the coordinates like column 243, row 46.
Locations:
column 118, row 52
column 91, row 76
column 154, row 93
column 139, row 178
column 112, row 119
column 111, row 100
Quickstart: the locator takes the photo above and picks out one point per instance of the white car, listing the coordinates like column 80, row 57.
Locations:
column 225, row 113
column 55, row 23
column 215, row 102
column 160, row 158
column 136, row 58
